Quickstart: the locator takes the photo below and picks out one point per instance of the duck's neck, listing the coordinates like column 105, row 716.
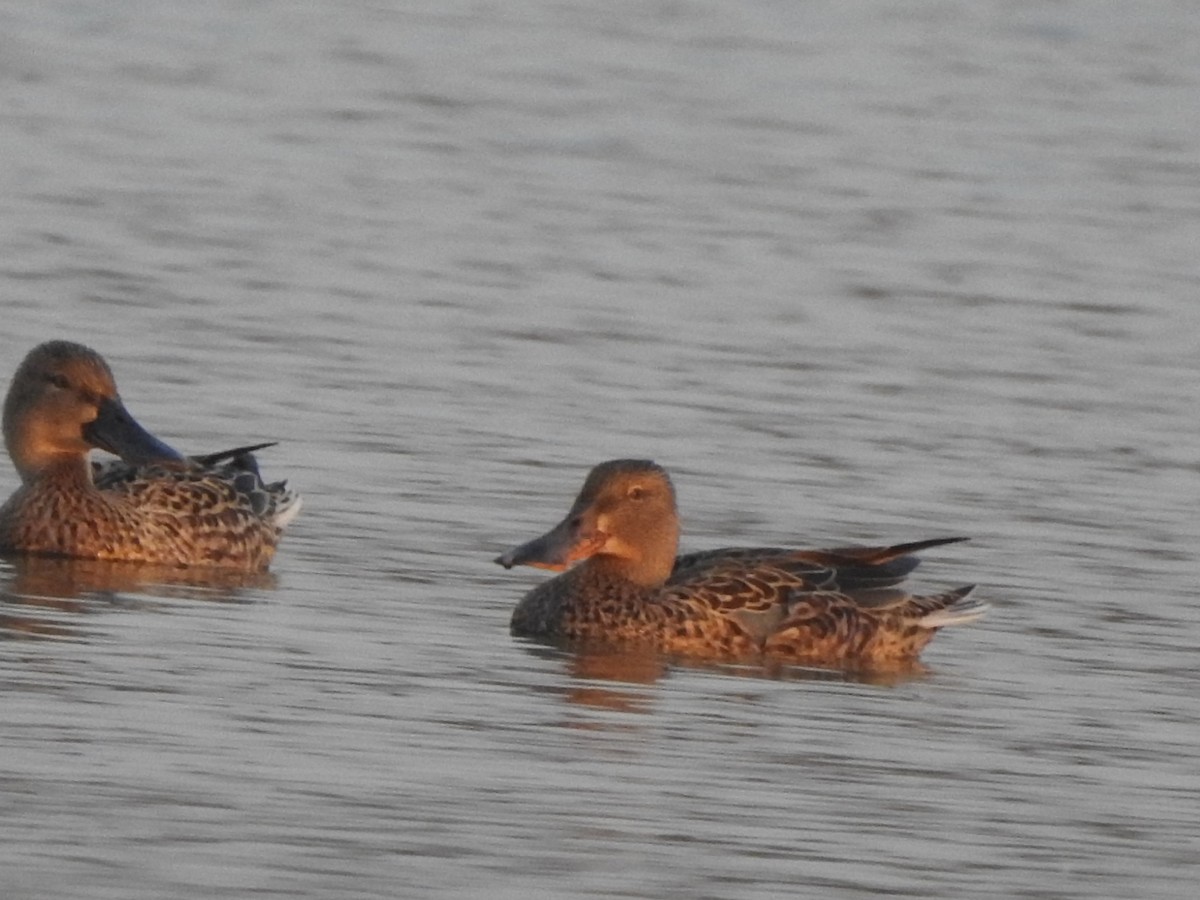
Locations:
column 651, row 569
column 73, row 470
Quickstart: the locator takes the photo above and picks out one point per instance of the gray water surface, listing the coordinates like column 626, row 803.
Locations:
column 852, row 273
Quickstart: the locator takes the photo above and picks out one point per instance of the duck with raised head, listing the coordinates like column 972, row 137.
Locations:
column 836, row 608
column 153, row 505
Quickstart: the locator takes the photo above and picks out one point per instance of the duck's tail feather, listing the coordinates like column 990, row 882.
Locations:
column 287, row 504
column 955, row 607
column 212, row 459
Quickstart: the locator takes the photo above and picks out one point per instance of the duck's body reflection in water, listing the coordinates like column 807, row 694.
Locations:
column 605, row 677
column 43, row 596
column 617, row 678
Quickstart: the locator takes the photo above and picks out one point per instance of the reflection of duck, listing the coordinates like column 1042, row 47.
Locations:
column 819, row 607
column 156, row 506
column 44, row 596
column 609, row 677
column 59, row 581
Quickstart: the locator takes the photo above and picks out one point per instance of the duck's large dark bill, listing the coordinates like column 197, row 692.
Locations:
column 117, row 432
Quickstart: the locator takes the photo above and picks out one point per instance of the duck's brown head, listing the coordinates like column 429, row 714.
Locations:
column 63, row 402
column 624, row 519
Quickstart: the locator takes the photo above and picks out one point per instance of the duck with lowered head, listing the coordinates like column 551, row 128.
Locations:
column 153, row 505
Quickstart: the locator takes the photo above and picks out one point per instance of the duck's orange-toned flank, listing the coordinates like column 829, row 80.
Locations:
column 151, row 506
column 838, row 607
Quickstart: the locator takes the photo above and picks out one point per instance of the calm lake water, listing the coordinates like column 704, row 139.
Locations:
column 852, row 273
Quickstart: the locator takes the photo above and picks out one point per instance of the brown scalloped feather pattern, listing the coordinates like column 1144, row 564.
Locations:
column 741, row 608
column 187, row 514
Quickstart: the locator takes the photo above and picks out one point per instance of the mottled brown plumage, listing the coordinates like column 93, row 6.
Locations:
column 153, row 506
column 838, row 607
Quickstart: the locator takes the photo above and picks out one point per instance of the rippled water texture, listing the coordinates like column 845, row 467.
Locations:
column 851, row 271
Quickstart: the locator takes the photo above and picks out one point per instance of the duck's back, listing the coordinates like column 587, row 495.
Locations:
column 212, row 510
column 207, row 511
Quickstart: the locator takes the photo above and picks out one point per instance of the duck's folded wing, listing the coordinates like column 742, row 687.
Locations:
column 845, row 568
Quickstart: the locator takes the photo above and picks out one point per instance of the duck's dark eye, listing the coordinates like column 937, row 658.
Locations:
column 637, row 492
column 59, row 381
